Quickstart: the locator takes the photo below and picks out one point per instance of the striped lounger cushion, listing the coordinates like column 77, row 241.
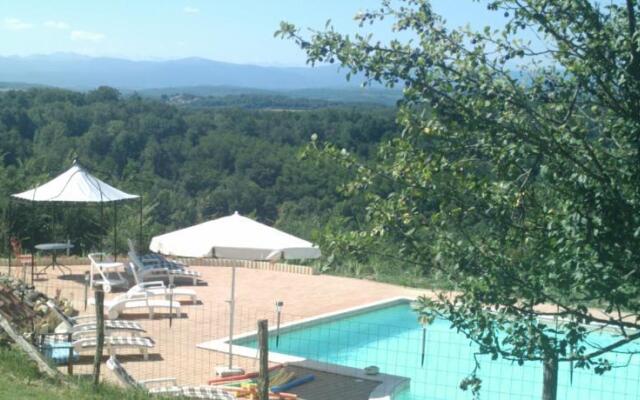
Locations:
column 120, row 341
column 194, row 392
column 159, row 261
column 114, row 324
column 184, row 272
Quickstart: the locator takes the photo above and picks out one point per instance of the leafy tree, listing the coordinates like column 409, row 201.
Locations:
column 517, row 174
column 103, row 94
column 189, row 164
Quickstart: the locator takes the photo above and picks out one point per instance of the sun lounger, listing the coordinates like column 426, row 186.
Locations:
column 154, row 266
column 153, row 270
column 111, row 344
column 142, row 300
column 109, row 271
column 192, row 392
column 158, row 288
column 86, row 325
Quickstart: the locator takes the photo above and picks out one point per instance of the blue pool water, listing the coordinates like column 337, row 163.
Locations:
column 391, row 338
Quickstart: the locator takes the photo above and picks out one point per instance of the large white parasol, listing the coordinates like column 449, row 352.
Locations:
column 237, row 238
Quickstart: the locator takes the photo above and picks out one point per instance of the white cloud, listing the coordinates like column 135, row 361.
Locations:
column 16, row 24
column 57, row 25
column 87, row 36
column 191, row 10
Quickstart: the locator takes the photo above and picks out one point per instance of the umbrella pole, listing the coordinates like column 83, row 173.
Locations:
column 232, row 307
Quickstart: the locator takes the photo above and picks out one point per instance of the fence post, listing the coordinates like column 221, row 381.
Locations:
column 263, row 344
column 99, row 297
column 70, row 358
column 550, row 378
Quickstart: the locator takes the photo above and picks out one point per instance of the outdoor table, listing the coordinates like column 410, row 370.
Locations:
column 54, row 248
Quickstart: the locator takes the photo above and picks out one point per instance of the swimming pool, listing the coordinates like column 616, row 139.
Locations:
column 391, row 339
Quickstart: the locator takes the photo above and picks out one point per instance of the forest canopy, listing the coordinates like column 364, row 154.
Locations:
column 188, row 164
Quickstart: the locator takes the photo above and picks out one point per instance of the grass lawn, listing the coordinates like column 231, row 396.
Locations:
column 20, row 379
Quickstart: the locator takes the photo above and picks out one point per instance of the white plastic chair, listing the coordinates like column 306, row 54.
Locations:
column 102, row 264
column 158, row 288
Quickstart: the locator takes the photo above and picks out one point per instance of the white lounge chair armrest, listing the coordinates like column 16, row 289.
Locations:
column 142, row 295
column 84, row 318
column 152, row 284
column 95, row 256
column 148, row 382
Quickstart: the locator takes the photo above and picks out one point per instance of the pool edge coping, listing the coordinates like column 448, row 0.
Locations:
column 388, row 386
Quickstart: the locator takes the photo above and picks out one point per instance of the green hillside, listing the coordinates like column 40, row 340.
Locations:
column 188, row 164
column 357, row 95
column 20, row 379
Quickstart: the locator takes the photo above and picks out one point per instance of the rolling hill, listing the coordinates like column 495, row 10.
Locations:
column 82, row 72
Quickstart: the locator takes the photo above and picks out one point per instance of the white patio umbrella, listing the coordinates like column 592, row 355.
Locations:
column 76, row 185
column 237, row 238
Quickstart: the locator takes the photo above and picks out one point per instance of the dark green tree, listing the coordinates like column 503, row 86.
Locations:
column 517, row 174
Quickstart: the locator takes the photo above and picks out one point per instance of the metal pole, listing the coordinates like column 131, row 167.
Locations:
column 279, row 305
column 232, row 303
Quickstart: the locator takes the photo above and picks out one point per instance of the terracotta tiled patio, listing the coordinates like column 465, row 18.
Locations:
column 175, row 353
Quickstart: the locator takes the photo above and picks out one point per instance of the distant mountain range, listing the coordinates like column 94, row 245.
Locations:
column 75, row 71
column 194, row 76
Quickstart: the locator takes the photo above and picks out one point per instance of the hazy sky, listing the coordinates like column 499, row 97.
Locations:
column 238, row 31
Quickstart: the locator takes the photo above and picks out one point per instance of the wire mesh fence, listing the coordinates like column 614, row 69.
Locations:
column 420, row 363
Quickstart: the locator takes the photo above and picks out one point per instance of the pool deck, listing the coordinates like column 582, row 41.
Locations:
column 176, row 354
